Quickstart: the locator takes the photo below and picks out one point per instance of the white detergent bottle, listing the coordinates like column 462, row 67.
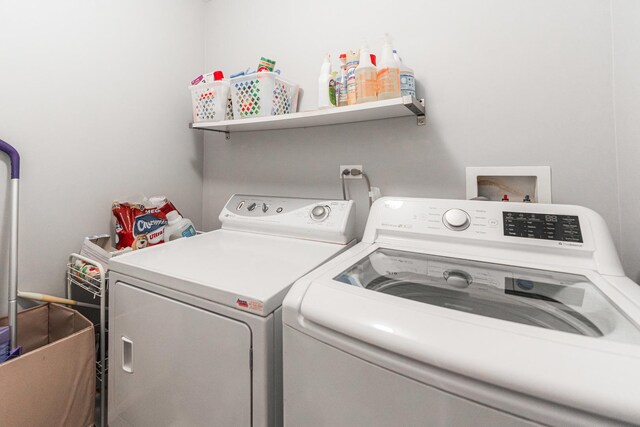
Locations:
column 366, row 77
column 326, row 86
column 388, row 72
column 407, row 78
column 178, row 227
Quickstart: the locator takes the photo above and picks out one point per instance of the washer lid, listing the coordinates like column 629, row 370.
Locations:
column 546, row 299
column 248, row 271
column 595, row 374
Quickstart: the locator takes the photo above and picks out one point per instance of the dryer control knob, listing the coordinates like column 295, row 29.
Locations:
column 456, row 219
column 320, row 213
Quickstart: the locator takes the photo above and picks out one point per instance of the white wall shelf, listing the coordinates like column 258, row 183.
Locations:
column 389, row 108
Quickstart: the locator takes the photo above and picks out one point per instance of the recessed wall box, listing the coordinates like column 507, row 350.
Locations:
column 516, row 182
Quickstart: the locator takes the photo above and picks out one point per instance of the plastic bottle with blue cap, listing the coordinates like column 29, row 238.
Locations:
column 178, row 227
column 407, row 77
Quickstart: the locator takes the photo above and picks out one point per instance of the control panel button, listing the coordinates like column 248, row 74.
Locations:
column 456, row 219
column 265, row 207
column 251, row 207
column 279, row 210
column 240, row 205
column 320, row 213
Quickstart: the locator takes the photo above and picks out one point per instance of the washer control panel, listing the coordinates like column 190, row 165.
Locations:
column 529, row 224
column 559, row 236
column 313, row 219
column 564, row 228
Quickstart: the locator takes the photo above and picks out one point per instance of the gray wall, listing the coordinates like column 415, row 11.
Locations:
column 626, row 31
column 94, row 96
column 507, row 83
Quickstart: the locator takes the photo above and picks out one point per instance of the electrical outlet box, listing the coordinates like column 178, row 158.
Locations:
column 516, row 182
column 349, row 167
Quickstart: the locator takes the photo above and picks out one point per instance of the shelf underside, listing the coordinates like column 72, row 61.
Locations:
column 386, row 109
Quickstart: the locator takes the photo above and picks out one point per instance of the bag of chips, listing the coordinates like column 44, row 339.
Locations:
column 139, row 225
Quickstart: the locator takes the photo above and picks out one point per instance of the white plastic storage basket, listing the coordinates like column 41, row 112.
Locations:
column 211, row 102
column 263, row 94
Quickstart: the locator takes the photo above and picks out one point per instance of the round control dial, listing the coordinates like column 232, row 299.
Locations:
column 456, row 219
column 320, row 213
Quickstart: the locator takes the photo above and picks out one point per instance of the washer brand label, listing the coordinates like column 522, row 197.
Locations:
column 575, row 245
column 407, row 226
column 386, row 224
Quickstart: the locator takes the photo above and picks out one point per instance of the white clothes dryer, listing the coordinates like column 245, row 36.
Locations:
column 454, row 313
column 195, row 333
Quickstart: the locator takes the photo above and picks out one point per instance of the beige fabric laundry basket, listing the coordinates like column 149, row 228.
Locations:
column 53, row 382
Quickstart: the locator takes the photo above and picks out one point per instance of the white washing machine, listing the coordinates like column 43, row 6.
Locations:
column 456, row 313
column 195, row 330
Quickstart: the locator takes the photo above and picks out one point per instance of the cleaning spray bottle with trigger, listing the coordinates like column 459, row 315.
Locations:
column 388, row 72
column 341, row 82
column 353, row 58
column 366, row 77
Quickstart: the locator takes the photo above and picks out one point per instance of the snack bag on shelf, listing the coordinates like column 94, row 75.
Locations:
column 138, row 225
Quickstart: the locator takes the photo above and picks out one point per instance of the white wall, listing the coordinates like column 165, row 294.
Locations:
column 94, row 96
column 626, row 31
column 507, row 83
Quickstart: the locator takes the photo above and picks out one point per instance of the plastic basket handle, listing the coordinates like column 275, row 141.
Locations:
column 14, row 156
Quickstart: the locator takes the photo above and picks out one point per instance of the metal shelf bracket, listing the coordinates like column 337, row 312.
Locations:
column 416, row 106
column 227, row 134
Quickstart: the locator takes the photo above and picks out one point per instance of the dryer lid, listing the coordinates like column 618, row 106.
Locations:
column 247, row 271
column 546, row 299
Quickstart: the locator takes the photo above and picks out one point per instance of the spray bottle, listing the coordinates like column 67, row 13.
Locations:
column 388, row 72
column 366, row 78
column 326, row 85
column 407, row 78
column 353, row 58
column 341, row 82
